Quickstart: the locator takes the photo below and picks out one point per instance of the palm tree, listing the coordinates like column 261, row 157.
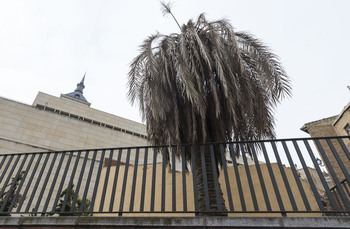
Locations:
column 207, row 83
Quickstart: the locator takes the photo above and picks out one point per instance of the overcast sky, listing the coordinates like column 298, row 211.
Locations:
column 48, row 46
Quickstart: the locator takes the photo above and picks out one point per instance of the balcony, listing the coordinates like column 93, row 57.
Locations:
column 288, row 178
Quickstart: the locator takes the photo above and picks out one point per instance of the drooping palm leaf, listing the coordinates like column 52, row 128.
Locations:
column 207, row 83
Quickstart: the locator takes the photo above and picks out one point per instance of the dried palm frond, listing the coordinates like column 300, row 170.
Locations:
column 207, row 83
column 166, row 9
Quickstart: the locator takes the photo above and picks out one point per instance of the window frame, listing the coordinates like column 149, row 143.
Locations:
column 347, row 129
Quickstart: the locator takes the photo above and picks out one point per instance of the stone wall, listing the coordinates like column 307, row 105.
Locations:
column 174, row 222
column 54, row 123
column 333, row 126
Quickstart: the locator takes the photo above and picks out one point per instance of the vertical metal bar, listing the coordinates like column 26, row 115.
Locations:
column 249, row 178
column 71, row 185
column 261, row 178
column 106, row 180
column 184, row 188
column 173, row 173
column 82, row 172
column 62, row 182
column 273, row 179
column 14, row 181
column 121, row 205
column 43, row 189
column 194, row 177
column 87, row 184
column 341, row 203
column 216, row 182
column 345, row 186
column 153, row 178
column 3, row 174
column 37, row 183
column 2, row 162
column 334, row 175
column 335, row 194
column 100, row 166
column 346, row 151
column 319, row 172
column 284, row 177
column 340, row 162
column 21, row 184
column 48, row 199
column 296, row 177
column 9, row 174
column 238, row 179
column 227, row 182
column 136, row 165
column 163, row 179
column 6, row 168
column 205, row 181
column 116, row 174
column 143, row 186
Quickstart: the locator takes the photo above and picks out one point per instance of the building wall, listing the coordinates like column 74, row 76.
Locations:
column 332, row 126
column 54, row 123
column 339, row 126
column 322, row 128
column 316, row 179
column 189, row 190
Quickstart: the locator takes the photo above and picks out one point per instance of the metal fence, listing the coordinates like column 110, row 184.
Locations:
column 272, row 177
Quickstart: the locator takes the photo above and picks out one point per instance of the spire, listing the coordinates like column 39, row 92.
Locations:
column 78, row 93
column 81, row 86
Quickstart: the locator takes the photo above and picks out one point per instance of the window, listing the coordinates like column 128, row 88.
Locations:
column 347, row 129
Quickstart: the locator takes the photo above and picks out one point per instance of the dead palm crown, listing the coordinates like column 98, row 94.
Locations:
column 207, row 83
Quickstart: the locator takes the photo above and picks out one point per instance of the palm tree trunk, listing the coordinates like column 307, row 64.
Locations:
column 215, row 207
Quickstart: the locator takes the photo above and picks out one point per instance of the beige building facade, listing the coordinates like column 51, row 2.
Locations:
column 189, row 189
column 63, row 123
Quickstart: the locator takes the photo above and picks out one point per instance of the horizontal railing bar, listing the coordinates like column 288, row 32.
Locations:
column 193, row 212
column 183, row 144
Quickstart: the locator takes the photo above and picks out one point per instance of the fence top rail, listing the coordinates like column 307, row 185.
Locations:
column 174, row 145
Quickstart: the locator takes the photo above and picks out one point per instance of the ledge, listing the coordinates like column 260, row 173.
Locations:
column 176, row 222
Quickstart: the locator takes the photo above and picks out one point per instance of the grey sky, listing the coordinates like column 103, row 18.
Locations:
column 48, row 45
